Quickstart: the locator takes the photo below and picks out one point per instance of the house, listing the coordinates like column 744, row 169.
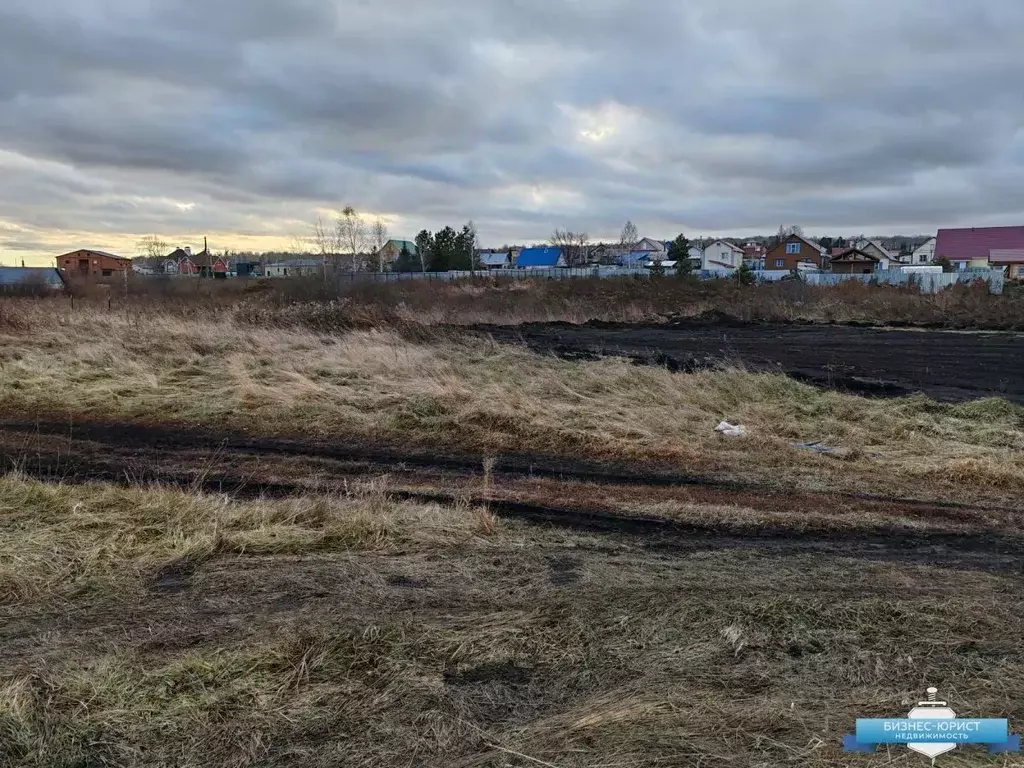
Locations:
column 294, row 268
column 924, row 253
column 637, row 258
column 494, row 259
column 392, row 249
column 30, row 280
column 1010, row 260
column 209, row 265
column 650, row 245
column 722, row 255
column 179, row 262
column 753, row 255
column 603, row 253
column 792, row 251
column 983, row 247
column 93, row 265
column 541, row 258
column 854, row 261
column 886, row 259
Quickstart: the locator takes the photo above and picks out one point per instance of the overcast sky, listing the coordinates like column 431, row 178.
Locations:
column 241, row 119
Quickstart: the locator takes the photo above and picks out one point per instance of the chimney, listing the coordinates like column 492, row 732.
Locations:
column 188, row 250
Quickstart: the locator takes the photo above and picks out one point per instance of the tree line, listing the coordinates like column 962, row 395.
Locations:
column 441, row 251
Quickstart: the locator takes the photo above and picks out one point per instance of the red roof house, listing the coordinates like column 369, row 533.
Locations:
column 982, row 247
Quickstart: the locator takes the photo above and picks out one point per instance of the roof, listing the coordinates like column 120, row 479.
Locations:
column 863, row 244
column 539, row 257
column 656, row 245
column 409, row 245
column 178, row 254
column 977, row 243
column 732, row 246
column 854, row 254
column 492, row 259
column 634, row 257
column 294, row 263
column 20, row 275
column 802, row 239
column 98, row 253
column 1006, row 256
column 204, row 259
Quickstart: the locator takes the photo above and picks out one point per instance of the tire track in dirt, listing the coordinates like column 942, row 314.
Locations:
column 129, row 441
column 180, row 466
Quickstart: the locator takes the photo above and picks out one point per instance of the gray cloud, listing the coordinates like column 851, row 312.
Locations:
column 244, row 117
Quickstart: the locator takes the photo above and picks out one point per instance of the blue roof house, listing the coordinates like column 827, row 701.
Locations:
column 541, row 258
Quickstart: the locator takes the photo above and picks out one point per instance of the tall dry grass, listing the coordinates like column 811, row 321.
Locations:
column 475, row 395
column 59, row 542
column 339, row 303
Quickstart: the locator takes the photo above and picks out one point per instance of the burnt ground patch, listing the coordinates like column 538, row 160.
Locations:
column 945, row 365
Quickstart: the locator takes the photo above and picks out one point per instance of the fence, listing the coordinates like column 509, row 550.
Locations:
column 927, row 283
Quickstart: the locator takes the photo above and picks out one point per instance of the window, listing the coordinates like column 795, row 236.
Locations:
column 792, row 248
column 108, row 272
column 780, row 262
column 922, row 258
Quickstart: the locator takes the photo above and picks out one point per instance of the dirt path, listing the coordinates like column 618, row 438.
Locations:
column 944, row 365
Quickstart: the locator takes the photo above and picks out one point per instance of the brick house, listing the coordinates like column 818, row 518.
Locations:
column 792, row 251
column 93, row 265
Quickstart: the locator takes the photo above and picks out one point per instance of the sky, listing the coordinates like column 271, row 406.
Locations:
column 243, row 120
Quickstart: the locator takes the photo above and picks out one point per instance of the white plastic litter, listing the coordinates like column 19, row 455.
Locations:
column 731, row 430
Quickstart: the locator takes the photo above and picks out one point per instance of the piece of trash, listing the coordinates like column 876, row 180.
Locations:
column 731, row 430
column 819, row 448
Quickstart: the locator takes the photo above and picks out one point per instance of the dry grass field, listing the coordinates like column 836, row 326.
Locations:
column 231, row 538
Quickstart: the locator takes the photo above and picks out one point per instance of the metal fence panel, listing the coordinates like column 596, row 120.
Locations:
column 927, row 283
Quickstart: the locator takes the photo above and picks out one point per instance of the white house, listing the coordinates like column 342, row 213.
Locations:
column 495, row 259
column 294, row 268
column 924, row 253
column 722, row 255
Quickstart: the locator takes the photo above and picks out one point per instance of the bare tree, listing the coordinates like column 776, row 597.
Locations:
column 630, row 237
column 151, row 247
column 378, row 239
column 351, row 231
column 324, row 242
column 786, row 232
column 574, row 244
